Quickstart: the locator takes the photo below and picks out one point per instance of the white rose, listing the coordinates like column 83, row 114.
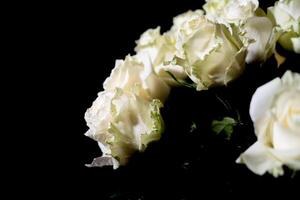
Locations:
column 230, row 11
column 161, row 50
column 122, row 123
column 256, row 29
column 213, row 56
column 179, row 20
column 275, row 112
column 286, row 14
column 135, row 73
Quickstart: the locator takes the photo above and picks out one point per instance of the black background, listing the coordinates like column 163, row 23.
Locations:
column 86, row 40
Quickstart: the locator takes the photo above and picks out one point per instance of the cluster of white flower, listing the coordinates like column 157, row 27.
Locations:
column 210, row 47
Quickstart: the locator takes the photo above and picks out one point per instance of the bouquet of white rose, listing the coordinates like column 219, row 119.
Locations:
column 205, row 49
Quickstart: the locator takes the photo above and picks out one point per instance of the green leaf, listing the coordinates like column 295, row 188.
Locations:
column 225, row 126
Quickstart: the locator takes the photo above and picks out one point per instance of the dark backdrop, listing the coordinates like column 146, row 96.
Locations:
column 183, row 164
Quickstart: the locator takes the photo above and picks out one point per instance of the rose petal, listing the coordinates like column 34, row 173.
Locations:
column 296, row 44
column 262, row 99
column 290, row 157
column 259, row 159
column 285, row 138
column 260, row 29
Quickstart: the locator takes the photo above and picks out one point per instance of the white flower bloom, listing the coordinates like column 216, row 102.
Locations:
column 136, row 74
column 286, row 14
column 213, row 56
column 122, row 123
column 179, row 20
column 230, row 11
column 275, row 112
column 256, row 29
column 161, row 50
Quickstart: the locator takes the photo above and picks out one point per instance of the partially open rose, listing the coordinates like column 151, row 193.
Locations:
column 213, row 56
column 122, row 123
column 275, row 112
column 136, row 73
column 286, row 14
column 230, row 11
column 256, row 29
column 161, row 51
